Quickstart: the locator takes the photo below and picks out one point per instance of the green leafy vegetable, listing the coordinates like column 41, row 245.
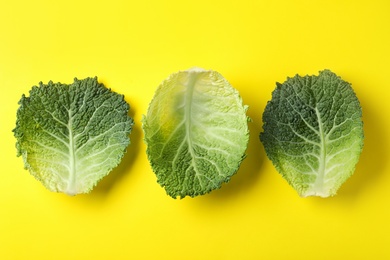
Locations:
column 196, row 131
column 71, row 136
column 313, row 132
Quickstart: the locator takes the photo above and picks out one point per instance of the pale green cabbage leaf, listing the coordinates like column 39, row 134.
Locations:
column 196, row 131
column 71, row 136
column 313, row 132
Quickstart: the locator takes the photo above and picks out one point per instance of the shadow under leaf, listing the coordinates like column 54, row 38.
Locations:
column 374, row 157
column 108, row 182
column 249, row 171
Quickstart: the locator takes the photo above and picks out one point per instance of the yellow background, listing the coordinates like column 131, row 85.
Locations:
column 132, row 46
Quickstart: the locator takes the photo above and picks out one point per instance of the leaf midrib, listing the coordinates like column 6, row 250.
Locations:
column 193, row 77
column 319, row 183
column 71, row 188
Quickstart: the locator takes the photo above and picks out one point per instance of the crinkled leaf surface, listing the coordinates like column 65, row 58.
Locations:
column 196, row 131
column 313, row 132
column 71, row 136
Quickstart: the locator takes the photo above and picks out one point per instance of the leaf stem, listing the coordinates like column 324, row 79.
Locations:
column 71, row 189
column 319, row 188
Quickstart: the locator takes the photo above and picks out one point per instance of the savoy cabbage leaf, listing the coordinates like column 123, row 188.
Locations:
column 313, row 132
column 71, row 136
column 196, row 131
